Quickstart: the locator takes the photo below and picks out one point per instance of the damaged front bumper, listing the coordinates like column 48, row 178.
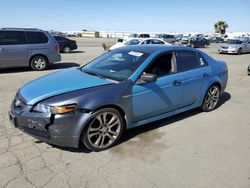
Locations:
column 61, row 130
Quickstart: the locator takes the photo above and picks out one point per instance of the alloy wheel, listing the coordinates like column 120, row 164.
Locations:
column 212, row 98
column 104, row 130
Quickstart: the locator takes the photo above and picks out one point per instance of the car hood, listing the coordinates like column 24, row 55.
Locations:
column 58, row 83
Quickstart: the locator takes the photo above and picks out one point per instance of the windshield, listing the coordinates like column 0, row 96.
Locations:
column 234, row 42
column 133, row 36
column 133, row 42
column 116, row 65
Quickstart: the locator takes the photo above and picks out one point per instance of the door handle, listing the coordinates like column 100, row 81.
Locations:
column 177, row 82
column 205, row 75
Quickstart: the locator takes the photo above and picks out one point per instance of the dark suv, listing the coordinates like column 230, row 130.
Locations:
column 20, row 47
column 65, row 44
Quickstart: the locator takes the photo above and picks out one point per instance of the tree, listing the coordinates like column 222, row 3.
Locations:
column 220, row 27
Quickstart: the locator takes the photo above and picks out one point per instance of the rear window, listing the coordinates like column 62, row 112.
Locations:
column 36, row 37
column 12, row 38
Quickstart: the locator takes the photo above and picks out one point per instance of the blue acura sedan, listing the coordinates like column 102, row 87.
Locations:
column 119, row 90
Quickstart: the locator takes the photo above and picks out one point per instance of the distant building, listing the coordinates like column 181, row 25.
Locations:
column 90, row 34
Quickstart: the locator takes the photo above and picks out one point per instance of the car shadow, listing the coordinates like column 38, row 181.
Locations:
column 74, row 52
column 131, row 133
column 54, row 66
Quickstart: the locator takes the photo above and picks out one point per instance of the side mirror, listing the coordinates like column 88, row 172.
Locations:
column 148, row 77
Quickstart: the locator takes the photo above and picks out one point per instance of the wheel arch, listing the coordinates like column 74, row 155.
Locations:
column 114, row 106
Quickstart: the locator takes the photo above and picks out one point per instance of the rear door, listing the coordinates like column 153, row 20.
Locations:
column 195, row 76
column 13, row 49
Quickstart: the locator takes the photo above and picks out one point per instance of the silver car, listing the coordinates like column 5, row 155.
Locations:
column 235, row 46
column 21, row 47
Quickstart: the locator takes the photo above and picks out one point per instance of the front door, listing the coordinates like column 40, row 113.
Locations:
column 154, row 98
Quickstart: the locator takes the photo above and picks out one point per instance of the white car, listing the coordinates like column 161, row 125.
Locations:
column 133, row 36
column 138, row 41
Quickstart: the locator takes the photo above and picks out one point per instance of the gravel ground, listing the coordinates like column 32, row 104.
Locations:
column 192, row 149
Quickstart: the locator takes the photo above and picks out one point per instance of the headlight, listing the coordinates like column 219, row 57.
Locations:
column 55, row 109
column 232, row 48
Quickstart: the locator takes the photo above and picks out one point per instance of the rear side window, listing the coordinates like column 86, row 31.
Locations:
column 188, row 60
column 36, row 37
column 12, row 38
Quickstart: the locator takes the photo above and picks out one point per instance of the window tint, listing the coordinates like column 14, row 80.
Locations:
column 12, row 37
column 162, row 65
column 157, row 42
column 188, row 60
column 36, row 37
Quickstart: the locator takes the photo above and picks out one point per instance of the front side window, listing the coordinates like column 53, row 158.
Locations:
column 147, row 42
column 36, row 37
column 133, row 42
column 116, row 65
column 163, row 65
column 188, row 60
column 12, row 38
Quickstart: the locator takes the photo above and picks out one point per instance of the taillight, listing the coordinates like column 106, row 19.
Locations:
column 56, row 48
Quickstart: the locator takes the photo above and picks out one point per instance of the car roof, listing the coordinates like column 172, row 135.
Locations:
column 19, row 29
column 153, row 48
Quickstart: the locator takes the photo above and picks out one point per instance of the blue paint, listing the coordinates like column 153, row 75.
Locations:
column 57, row 83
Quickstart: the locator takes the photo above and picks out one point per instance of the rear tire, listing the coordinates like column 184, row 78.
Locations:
column 39, row 63
column 211, row 99
column 104, row 130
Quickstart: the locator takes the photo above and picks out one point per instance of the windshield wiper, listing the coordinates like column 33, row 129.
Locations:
column 93, row 73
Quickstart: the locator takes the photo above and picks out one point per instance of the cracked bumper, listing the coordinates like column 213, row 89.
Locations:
column 60, row 130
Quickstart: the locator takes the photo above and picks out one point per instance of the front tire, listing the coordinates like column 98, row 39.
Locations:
column 211, row 99
column 239, row 51
column 104, row 130
column 66, row 49
column 39, row 63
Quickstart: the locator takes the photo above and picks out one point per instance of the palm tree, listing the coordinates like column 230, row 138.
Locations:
column 220, row 27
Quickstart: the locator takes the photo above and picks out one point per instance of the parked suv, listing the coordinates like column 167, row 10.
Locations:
column 21, row 47
column 167, row 38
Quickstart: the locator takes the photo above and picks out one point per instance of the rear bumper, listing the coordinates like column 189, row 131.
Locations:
column 61, row 130
column 55, row 57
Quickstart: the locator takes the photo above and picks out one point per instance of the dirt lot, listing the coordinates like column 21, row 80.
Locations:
column 192, row 149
